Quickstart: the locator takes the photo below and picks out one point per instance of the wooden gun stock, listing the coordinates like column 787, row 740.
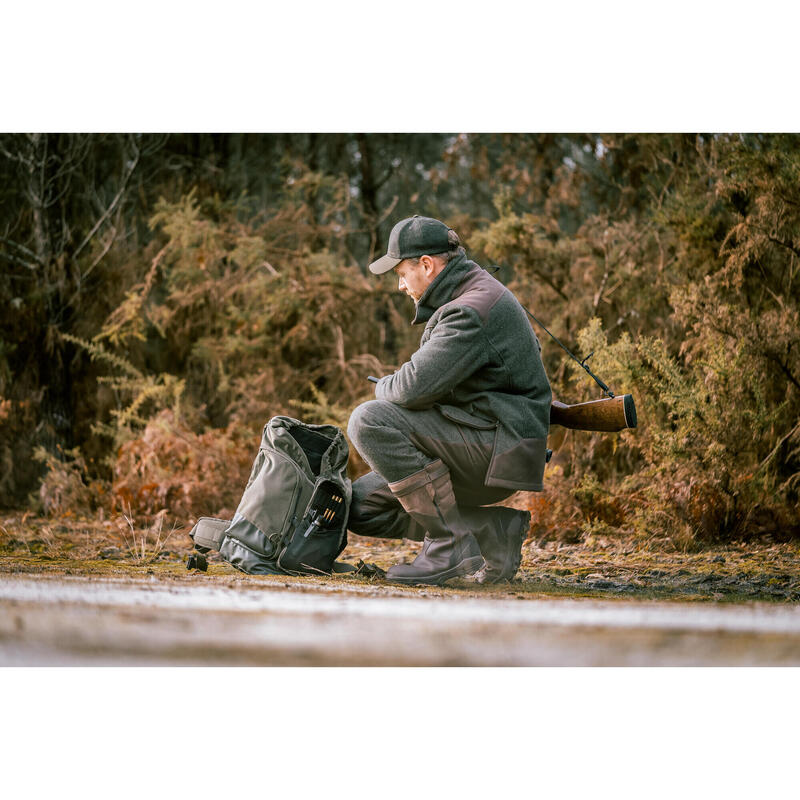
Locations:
column 608, row 414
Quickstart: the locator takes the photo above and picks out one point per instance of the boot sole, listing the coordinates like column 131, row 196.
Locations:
column 466, row 567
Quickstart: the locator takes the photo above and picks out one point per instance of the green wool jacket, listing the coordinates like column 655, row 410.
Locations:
column 479, row 362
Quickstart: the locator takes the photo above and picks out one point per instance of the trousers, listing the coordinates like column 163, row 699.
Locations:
column 396, row 442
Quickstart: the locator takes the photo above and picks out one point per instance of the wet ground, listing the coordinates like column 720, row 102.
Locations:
column 149, row 620
column 70, row 595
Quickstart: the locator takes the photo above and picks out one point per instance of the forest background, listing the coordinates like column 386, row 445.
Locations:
column 164, row 295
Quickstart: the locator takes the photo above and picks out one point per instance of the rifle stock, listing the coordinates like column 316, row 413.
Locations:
column 609, row 414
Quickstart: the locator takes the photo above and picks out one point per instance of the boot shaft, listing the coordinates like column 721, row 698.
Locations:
column 449, row 549
column 428, row 497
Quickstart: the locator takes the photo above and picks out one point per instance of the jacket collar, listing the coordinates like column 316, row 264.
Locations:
column 443, row 288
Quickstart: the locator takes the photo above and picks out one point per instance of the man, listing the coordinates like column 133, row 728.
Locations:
column 462, row 424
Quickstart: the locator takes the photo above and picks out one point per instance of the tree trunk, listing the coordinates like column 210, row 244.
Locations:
column 369, row 195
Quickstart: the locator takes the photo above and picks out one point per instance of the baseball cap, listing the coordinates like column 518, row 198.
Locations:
column 411, row 238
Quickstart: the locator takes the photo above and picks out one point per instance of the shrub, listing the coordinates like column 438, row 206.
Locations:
column 169, row 467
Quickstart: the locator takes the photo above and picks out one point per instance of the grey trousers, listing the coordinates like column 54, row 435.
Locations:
column 397, row 442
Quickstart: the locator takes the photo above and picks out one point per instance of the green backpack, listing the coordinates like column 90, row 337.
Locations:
column 292, row 517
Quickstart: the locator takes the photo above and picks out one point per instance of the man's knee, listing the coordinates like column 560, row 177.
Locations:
column 373, row 413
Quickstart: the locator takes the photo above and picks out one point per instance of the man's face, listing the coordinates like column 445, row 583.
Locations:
column 414, row 279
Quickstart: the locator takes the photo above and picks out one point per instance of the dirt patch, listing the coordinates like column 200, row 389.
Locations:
column 624, row 569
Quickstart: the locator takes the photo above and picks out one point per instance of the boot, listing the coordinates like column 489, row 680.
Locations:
column 449, row 549
column 500, row 533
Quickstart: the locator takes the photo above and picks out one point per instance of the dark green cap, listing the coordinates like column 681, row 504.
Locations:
column 411, row 238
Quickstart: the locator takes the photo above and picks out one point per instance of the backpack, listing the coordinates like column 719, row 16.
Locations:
column 292, row 518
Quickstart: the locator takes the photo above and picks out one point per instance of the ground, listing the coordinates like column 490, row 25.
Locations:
column 92, row 592
column 757, row 570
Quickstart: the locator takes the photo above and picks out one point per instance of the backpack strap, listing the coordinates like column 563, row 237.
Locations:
column 208, row 533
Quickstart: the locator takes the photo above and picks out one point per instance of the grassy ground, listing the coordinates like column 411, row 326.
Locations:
column 608, row 569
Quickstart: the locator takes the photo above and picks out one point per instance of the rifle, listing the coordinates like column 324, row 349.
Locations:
column 613, row 413
column 609, row 414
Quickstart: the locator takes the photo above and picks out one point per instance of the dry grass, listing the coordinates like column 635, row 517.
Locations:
column 89, row 539
column 144, row 542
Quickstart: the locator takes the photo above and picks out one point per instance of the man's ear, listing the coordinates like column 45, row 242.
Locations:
column 428, row 264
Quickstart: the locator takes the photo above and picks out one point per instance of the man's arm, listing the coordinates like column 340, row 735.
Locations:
column 457, row 348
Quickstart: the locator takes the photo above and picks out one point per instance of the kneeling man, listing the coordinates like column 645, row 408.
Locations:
column 460, row 425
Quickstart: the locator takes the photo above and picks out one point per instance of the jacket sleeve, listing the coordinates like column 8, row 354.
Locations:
column 457, row 347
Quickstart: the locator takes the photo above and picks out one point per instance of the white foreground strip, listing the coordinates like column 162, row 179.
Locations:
column 358, row 601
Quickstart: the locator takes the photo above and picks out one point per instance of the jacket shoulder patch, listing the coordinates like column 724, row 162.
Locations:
column 479, row 291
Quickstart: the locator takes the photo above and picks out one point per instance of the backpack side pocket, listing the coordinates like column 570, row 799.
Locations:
column 320, row 535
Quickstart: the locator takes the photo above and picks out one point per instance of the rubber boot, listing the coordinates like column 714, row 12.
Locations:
column 449, row 548
column 500, row 533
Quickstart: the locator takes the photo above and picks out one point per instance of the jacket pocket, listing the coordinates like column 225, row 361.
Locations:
column 456, row 414
column 521, row 467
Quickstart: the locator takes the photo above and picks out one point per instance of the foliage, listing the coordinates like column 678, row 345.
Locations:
column 710, row 351
column 67, row 486
column 189, row 287
column 234, row 320
column 168, row 467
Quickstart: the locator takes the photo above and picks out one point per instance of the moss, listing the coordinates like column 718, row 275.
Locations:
column 557, row 582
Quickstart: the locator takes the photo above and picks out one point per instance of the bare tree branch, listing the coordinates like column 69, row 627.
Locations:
column 130, row 167
column 30, row 254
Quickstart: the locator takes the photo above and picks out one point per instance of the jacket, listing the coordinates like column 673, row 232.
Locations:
column 479, row 362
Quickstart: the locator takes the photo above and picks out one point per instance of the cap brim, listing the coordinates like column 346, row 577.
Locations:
column 384, row 264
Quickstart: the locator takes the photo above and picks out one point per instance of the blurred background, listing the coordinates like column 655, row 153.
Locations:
column 163, row 295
